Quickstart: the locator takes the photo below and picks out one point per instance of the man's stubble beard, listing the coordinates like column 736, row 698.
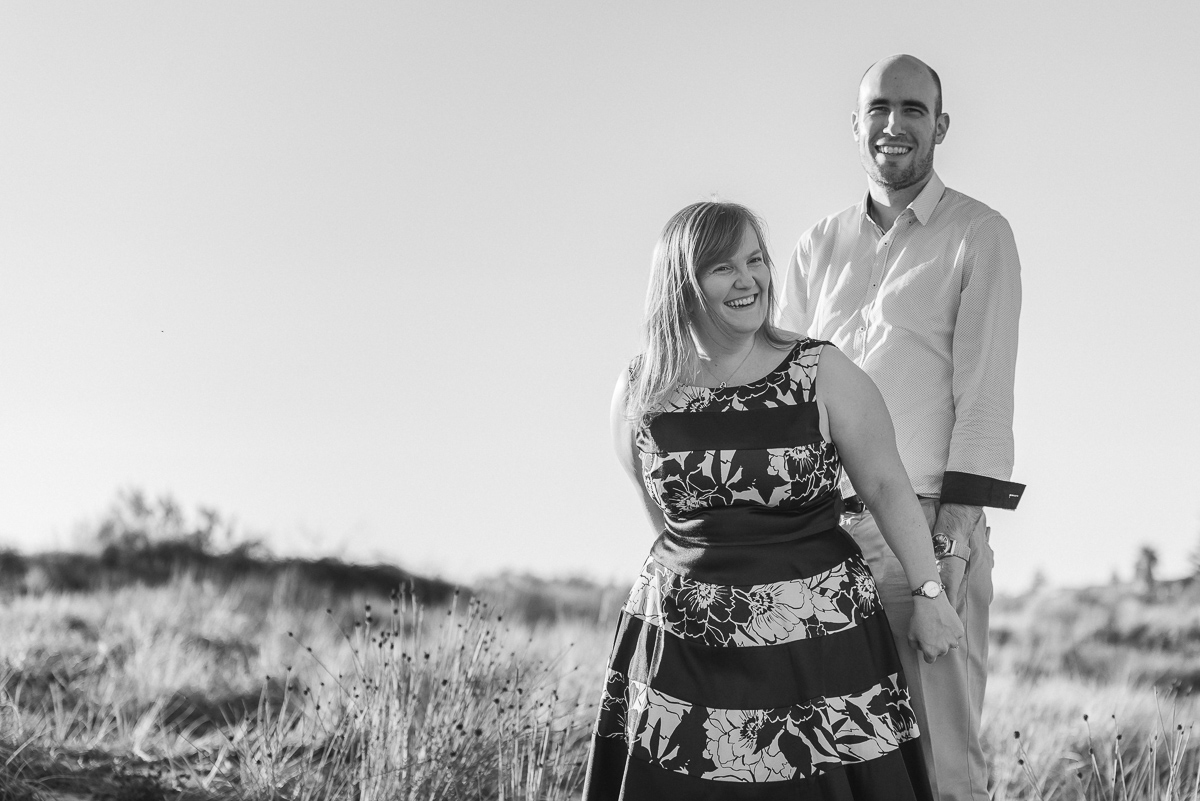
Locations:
column 914, row 174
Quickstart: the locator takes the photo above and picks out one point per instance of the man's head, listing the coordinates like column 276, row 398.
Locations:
column 899, row 121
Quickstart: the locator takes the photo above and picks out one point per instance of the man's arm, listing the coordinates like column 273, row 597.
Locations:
column 985, row 360
column 985, row 357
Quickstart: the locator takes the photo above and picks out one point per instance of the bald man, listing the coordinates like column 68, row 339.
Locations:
column 921, row 286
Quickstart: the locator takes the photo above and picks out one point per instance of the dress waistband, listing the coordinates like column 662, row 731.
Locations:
column 811, row 544
column 746, row 524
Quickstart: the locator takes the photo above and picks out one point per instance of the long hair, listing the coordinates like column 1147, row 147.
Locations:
column 694, row 238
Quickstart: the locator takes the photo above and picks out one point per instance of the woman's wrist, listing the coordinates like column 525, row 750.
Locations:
column 929, row 606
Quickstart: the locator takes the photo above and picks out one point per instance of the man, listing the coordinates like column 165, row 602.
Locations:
column 920, row 286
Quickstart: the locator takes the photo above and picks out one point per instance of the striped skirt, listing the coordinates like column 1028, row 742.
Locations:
column 755, row 672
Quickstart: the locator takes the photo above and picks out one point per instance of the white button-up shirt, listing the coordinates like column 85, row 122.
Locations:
column 929, row 310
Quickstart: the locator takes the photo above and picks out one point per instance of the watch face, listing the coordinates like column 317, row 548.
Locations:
column 941, row 545
column 931, row 589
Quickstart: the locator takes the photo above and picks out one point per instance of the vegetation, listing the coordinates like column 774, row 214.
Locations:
column 179, row 668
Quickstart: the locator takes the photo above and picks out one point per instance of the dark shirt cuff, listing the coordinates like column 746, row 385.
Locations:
column 972, row 490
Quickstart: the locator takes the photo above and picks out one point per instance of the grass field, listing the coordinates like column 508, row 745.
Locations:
column 271, row 687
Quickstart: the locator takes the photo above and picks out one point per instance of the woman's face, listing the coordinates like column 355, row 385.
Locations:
column 735, row 290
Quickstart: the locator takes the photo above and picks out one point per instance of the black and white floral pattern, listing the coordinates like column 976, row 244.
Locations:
column 729, row 622
column 688, row 481
column 756, row 745
column 759, row 614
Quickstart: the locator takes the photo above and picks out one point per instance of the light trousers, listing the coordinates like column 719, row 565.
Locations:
column 947, row 696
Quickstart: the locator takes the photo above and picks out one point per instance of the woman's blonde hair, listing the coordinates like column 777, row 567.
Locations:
column 694, row 238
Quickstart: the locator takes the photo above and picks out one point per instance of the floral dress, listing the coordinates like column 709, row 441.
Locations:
column 752, row 658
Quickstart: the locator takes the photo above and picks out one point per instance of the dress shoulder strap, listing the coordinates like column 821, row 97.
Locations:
column 806, row 356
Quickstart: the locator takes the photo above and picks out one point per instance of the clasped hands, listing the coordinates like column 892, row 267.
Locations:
column 935, row 627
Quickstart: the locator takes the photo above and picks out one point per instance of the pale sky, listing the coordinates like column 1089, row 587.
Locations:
column 363, row 275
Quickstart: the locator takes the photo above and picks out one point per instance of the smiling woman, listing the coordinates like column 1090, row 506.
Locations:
column 733, row 293
column 709, row 307
column 752, row 658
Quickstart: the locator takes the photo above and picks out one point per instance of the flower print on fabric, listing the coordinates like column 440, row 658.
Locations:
column 757, row 745
column 610, row 719
column 663, row 719
column 806, row 471
column 863, row 587
column 686, row 482
column 790, row 383
column 872, row 724
column 741, row 752
column 759, row 614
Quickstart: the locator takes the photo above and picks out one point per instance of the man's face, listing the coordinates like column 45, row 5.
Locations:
column 895, row 125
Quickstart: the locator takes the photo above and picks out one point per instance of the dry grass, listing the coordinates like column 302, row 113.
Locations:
column 270, row 690
column 239, row 693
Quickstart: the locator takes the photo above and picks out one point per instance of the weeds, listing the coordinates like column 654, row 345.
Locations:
column 408, row 708
column 1159, row 765
column 271, row 689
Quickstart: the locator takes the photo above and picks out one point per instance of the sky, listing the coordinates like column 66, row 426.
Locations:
column 362, row 276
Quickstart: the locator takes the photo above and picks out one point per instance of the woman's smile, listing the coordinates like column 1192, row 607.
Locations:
column 742, row 302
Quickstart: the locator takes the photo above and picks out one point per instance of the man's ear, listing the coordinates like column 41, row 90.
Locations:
column 854, row 125
column 940, row 127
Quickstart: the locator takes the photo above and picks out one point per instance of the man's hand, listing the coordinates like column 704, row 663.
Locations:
column 935, row 628
column 956, row 521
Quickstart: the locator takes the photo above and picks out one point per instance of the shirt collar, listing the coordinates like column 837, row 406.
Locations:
column 925, row 202
column 922, row 205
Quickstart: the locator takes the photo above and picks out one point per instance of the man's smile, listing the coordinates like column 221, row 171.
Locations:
column 893, row 149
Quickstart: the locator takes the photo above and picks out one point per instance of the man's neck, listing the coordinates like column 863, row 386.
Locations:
column 887, row 204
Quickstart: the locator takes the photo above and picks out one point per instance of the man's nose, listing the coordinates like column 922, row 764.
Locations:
column 895, row 125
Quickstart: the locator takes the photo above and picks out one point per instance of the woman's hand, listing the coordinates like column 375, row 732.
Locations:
column 935, row 627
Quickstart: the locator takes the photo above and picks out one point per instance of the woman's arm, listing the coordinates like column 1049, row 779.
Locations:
column 861, row 428
column 627, row 452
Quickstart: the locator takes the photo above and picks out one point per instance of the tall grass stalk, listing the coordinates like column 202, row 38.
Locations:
column 420, row 710
column 1155, row 766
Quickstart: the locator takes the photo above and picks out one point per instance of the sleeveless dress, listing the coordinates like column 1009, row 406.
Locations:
column 752, row 658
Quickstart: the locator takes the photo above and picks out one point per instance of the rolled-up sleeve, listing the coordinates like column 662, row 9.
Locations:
column 985, row 356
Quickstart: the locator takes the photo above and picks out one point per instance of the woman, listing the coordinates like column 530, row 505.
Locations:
column 752, row 659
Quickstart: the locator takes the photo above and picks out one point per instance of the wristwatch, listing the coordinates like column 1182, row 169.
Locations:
column 930, row 589
column 944, row 546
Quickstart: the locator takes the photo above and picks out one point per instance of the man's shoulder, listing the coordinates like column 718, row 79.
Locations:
column 958, row 205
column 845, row 221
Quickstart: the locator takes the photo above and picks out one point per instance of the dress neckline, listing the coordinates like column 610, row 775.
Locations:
column 781, row 367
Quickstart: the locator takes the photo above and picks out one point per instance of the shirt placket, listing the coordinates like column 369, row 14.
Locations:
column 882, row 251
